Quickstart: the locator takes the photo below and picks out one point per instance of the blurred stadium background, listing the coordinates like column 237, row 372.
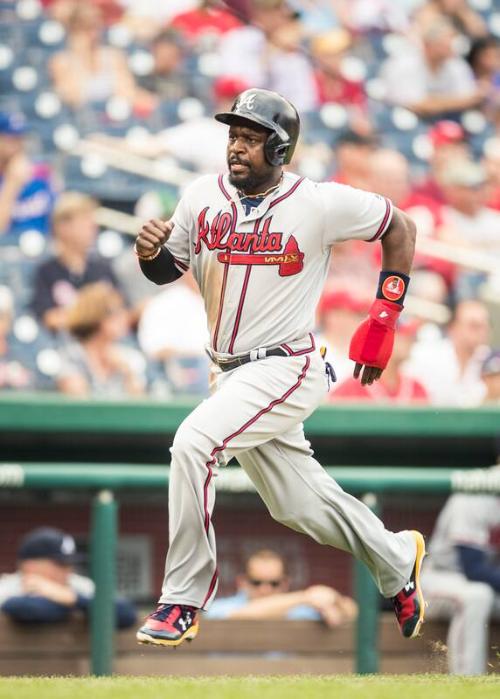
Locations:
column 105, row 114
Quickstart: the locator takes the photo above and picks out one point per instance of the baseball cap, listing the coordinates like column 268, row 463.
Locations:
column 47, row 542
column 491, row 364
column 445, row 132
column 13, row 123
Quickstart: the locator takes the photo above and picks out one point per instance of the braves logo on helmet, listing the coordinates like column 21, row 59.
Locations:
column 393, row 288
column 247, row 100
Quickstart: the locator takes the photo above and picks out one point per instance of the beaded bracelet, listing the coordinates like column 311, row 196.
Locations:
column 147, row 258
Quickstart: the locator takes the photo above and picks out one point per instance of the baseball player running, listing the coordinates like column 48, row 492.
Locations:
column 258, row 241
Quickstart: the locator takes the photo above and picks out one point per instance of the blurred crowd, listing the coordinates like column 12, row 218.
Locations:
column 106, row 113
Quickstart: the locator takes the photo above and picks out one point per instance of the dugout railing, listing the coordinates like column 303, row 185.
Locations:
column 107, row 479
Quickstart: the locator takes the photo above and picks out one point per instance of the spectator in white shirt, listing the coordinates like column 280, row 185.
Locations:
column 468, row 223
column 165, row 335
column 432, row 80
column 266, row 53
column 450, row 368
column 468, row 220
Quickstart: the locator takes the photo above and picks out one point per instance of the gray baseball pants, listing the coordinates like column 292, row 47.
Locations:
column 256, row 415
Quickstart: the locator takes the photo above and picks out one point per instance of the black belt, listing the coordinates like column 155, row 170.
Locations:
column 228, row 364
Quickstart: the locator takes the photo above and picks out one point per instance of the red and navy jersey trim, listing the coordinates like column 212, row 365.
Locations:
column 292, row 189
column 222, row 187
column 281, row 198
column 384, row 223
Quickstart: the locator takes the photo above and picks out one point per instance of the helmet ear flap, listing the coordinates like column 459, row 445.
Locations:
column 276, row 151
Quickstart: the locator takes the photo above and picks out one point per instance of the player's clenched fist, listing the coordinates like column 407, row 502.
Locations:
column 152, row 236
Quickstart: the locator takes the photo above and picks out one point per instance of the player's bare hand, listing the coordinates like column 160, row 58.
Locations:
column 368, row 375
column 153, row 235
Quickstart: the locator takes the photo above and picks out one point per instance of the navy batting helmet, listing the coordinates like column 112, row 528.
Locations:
column 273, row 112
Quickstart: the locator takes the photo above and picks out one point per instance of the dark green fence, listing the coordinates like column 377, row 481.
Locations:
column 105, row 478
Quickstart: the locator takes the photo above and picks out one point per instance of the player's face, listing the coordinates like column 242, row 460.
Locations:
column 248, row 168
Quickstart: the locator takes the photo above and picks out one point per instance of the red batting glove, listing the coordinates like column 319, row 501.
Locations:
column 373, row 341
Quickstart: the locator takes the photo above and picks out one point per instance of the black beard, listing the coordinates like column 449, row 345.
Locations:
column 251, row 183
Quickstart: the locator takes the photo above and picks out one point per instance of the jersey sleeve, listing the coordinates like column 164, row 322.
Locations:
column 178, row 244
column 351, row 213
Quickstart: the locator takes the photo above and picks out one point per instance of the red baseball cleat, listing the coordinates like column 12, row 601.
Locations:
column 409, row 603
column 170, row 625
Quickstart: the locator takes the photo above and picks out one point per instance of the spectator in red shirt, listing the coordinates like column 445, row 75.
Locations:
column 208, row 18
column 329, row 50
column 394, row 385
column 448, row 143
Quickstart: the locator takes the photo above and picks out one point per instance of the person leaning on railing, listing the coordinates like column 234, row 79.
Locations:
column 45, row 586
column 263, row 592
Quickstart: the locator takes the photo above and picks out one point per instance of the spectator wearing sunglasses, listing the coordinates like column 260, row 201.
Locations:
column 263, row 593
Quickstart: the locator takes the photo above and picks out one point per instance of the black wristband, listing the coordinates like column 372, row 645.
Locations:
column 392, row 286
column 161, row 269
